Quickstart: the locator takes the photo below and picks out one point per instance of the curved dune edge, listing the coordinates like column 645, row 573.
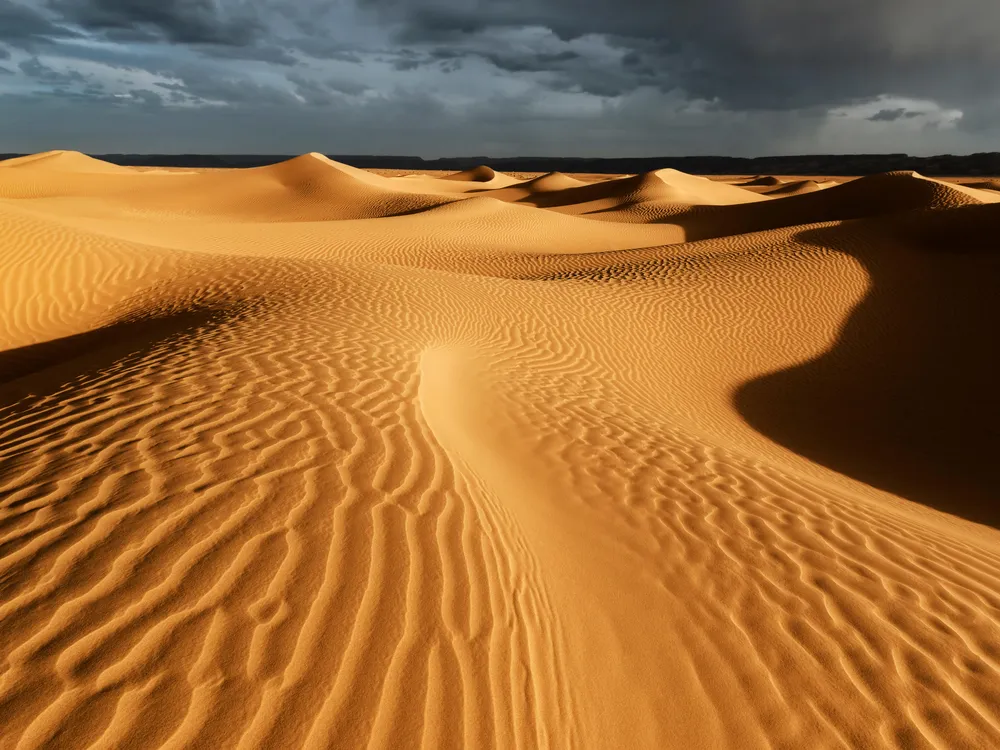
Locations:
column 798, row 187
column 302, row 456
column 985, row 185
column 64, row 161
column 762, row 181
column 481, row 173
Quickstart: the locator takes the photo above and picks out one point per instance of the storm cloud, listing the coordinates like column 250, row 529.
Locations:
column 589, row 77
column 177, row 21
column 749, row 54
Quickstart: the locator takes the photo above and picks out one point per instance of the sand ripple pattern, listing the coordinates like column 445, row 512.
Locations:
column 309, row 457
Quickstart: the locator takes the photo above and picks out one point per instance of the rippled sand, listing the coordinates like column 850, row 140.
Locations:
column 305, row 456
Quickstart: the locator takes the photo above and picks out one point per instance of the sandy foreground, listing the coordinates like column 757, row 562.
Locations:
column 307, row 456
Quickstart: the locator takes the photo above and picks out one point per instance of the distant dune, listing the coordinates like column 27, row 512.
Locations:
column 943, row 165
column 762, row 181
column 985, row 185
column 71, row 162
column 476, row 174
column 797, row 187
column 304, row 456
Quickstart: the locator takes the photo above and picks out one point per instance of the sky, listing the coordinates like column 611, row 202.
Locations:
column 591, row 78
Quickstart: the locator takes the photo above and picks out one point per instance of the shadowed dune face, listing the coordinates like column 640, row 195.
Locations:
column 985, row 185
column 308, row 457
column 86, row 351
column 666, row 186
column 906, row 398
column 764, row 181
column 481, row 173
column 795, row 188
column 878, row 195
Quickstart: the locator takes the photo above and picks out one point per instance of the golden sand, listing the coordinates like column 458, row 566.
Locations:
column 307, row 456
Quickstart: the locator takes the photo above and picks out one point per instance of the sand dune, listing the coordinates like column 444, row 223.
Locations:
column 762, row 181
column 303, row 456
column 481, row 173
column 799, row 186
column 553, row 182
column 643, row 198
column 877, row 195
column 985, row 185
column 64, row 161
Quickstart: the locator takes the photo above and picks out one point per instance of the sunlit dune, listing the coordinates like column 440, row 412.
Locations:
column 799, row 186
column 309, row 456
column 71, row 162
column 984, row 185
column 481, row 173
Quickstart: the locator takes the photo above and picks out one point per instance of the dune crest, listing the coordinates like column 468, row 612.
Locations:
column 482, row 173
column 985, row 185
column 306, row 457
column 798, row 187
column 554, row 181
column 64, row 161
column 762, row 181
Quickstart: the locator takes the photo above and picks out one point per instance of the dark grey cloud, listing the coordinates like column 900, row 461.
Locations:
column 533, row 62
column 177, row 21
column 891, row 115
column 749, row 54
column 404, row 63
column 887, row 115
column 22, row 23
column 325, row 91
column 35, row 69
column 324, row 48
column 591, row 77
column 269, row 53
column 507, row 59
column 146, row 97
column 983, row 119
column 223, row 29
column 199, row 85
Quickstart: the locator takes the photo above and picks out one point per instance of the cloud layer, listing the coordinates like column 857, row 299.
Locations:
column 573, row 77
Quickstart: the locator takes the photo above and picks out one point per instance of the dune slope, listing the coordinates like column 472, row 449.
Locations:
column 306, row 457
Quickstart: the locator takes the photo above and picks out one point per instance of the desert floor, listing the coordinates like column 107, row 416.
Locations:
column 307, row 456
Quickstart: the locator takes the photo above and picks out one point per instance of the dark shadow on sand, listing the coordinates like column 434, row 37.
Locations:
column 907, row 399
column 36, row 370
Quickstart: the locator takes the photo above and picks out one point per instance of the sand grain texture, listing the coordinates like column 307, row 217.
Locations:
column 306, row 456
